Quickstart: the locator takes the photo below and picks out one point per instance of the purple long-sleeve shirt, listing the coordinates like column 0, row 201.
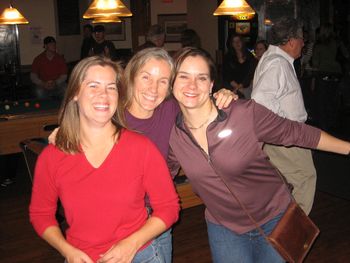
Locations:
column 158, row 127
column 235, row 142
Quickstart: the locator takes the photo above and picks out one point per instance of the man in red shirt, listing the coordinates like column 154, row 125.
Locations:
column 49, row 71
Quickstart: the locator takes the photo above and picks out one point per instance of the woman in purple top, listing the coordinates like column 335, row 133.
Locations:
column 149, row 110
column 221, row 153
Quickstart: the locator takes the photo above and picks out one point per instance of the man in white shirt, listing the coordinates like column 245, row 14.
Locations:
column 276, row 86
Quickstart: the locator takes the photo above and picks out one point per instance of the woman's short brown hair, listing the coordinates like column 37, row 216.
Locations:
column 186, row 52
column 68, row 137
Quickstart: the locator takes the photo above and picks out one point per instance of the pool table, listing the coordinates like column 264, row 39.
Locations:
column 24, row 119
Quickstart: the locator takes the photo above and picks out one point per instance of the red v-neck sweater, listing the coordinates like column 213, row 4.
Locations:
column 106, row 204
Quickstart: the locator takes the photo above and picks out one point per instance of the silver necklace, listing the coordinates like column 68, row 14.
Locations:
column 204, row 123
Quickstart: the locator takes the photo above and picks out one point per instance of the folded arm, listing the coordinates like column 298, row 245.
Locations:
column 126, row 249
column 35, row 79
column 61, row 79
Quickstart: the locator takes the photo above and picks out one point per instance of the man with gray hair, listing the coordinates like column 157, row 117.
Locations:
column 276, row 86
column 155, row 38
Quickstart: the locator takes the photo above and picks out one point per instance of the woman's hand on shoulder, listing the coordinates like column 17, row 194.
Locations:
column 224, row 97
column 52, row 136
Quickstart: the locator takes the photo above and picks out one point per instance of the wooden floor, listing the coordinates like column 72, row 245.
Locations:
column 19, row 243
column 330, row 213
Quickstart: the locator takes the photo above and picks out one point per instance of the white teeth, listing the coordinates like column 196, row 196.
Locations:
column 101, row 106
column 189, row 94
column 152, row 98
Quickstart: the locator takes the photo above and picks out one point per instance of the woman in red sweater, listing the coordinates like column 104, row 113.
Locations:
column 101, row 172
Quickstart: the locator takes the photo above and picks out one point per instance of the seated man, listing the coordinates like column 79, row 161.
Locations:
column 49, row 71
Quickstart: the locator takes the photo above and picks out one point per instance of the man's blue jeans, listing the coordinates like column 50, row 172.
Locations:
column 250, row 247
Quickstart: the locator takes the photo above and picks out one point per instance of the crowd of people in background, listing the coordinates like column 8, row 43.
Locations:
column 324, row 52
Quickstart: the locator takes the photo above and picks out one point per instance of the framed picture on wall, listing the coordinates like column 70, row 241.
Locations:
column 173, row 25
column 114, row 31
column 243, row 28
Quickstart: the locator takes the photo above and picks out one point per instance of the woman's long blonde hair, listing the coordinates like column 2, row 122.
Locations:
column 68, row 136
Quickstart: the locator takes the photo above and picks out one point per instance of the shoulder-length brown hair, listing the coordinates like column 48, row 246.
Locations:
column 68, row 136
column 134, row 66
column 232, row 51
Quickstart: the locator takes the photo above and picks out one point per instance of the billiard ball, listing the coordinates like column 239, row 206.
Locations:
column 7, row 107
column 26, row 104
column 37, row 105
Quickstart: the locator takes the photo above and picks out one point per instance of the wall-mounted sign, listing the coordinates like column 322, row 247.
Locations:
column 243, row 16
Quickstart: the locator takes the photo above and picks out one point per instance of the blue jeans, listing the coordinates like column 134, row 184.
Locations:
column 57, row 92
column 151, row 254
column 166, row 246
column 250, row 247
column 155, row 252
column 165, row 240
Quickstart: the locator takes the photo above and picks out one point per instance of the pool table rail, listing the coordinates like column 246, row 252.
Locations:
column 15, row 129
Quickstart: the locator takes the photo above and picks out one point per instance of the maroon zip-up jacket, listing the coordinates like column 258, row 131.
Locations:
column 235, row 142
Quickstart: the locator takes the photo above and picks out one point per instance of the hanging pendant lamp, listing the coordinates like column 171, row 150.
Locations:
column 11, row 16
column 106, row 8
column 239, row 9
column 110, row 19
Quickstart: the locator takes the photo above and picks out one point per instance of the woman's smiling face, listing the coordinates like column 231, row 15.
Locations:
column 151, row 86
column 193, row 85
column 98, row 95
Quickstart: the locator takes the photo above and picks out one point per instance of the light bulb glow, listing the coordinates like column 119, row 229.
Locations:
column 106, row 4
column 233, row 3
column 11, row 14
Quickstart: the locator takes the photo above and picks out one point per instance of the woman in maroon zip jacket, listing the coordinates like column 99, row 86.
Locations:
column 213, row 146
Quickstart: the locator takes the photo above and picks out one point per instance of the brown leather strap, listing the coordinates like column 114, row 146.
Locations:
column 261, row 231
column 239, row 202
